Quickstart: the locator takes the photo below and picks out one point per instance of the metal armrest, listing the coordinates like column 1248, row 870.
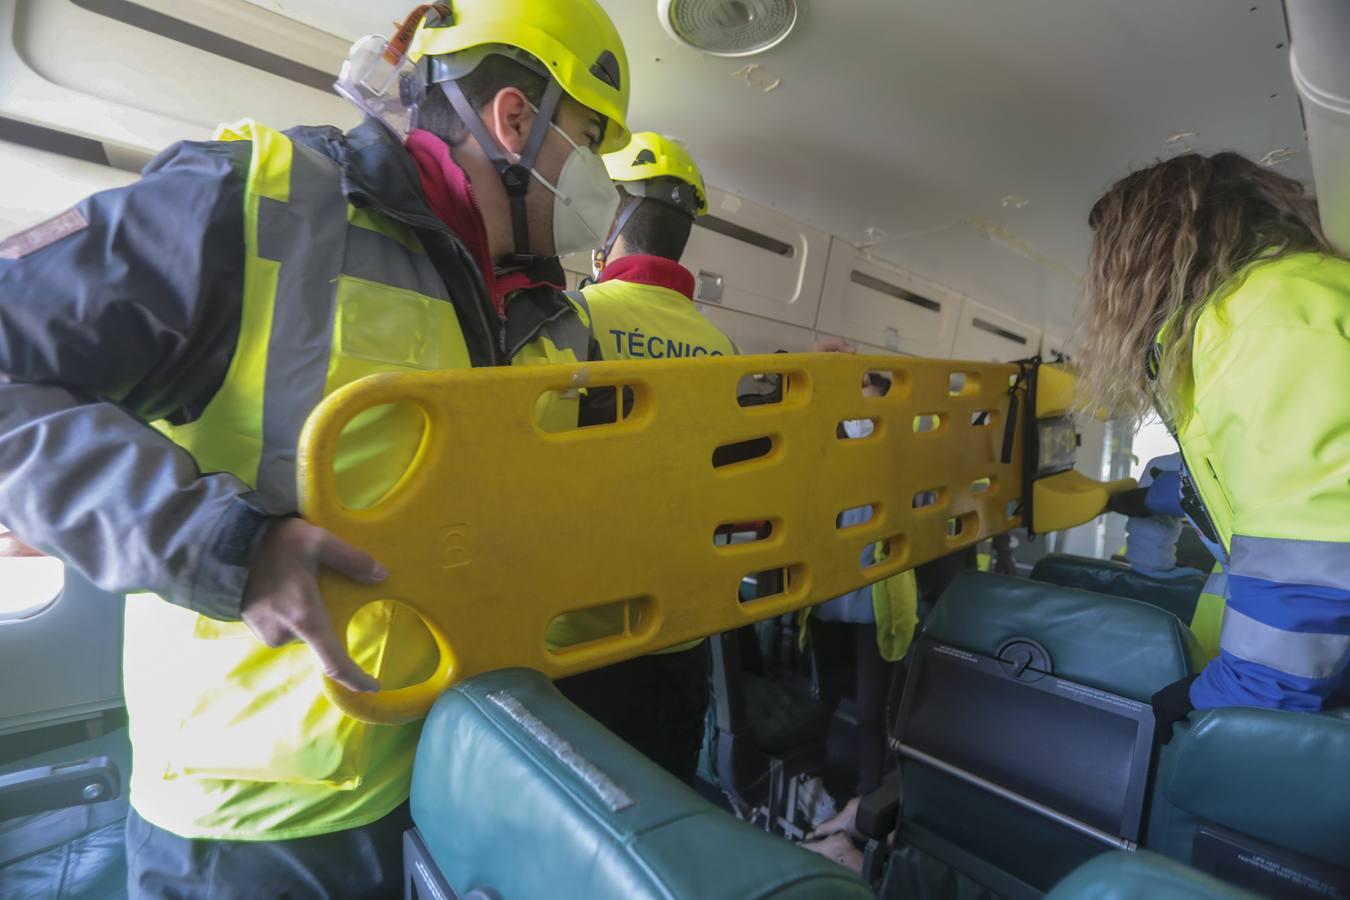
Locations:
column 46, row 788
column 879, row 811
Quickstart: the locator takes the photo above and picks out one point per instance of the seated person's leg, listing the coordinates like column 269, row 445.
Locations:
column 679, row 708
column 873, row 686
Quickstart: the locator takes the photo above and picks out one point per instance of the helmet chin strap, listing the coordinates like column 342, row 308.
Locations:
column 630, row 207
column 515, row 176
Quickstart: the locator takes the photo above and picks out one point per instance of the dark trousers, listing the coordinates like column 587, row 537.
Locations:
column 655, row 703
column 844, row 648
column 364, row 862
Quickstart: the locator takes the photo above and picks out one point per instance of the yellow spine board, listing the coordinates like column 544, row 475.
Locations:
column 498, row 527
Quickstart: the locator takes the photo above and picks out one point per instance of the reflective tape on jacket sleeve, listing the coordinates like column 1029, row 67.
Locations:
column 1306, row 655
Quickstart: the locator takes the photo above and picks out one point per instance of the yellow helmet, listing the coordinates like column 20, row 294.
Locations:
column 574, row 39
column 650, row 155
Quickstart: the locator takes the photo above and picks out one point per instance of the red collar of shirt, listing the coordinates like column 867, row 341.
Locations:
column 450, row 195
column 654, row 270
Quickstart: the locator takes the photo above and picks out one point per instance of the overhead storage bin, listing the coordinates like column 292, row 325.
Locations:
column 755, row 260
column 986, row 335
column 872, row 302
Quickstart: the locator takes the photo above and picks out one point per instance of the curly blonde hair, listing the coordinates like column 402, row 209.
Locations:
column 1165, row 239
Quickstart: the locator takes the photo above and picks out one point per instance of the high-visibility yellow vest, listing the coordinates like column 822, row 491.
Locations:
column 1207, row 620
column 895, row 607
column 1262, row 423
column 646, row 321
column 233, row 739
column 1248, row 333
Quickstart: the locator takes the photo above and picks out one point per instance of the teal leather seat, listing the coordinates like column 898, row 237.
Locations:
column 517, row 791
column 1112, row 643
column 1142, row 876
column 1176, row 595
column 1270, row 783
column 72, row 853
column 955, row 833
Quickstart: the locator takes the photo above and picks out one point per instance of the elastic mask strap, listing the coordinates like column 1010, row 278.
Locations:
column 548, row 107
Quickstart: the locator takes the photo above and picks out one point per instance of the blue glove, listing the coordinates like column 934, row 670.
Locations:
column 1164, row 495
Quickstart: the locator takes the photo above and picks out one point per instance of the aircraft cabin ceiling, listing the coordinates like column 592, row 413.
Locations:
column 963, row 139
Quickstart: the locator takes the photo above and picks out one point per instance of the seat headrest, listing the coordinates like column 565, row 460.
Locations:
column 517, row 790
column 1111, row 643
column 1141, row 876
column 1176, row 595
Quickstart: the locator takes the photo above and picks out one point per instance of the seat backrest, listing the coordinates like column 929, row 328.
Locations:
column 1259, row 797
column 1025, row 732
column 517, row 791
column 1176, row 595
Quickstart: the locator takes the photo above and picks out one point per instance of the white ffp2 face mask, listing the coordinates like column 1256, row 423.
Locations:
column 584, row 200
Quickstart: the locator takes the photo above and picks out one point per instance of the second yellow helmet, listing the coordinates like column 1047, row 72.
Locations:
column 650, row 155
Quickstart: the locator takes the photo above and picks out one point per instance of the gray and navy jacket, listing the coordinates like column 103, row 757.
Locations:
column 126, row 310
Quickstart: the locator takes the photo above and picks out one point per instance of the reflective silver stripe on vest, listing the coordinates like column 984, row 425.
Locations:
column 1304, row 655
column 314, row 242
column 367, row 257
column 579, row 300
column 572, row 332
column 1321, row 563
column 306, row 236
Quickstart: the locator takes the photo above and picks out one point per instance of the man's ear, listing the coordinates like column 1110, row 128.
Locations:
column 508, row 116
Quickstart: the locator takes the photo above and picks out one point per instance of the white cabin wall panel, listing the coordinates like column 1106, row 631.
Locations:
column 37, row 185
column 1056, row 344
column 870, row 301
column 64, row 662
column 77, row 71
column 756, row 335
column 576, row 266
column 783, row 286
column 295, row 38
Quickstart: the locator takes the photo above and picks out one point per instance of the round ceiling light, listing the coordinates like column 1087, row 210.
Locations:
column 729, row 27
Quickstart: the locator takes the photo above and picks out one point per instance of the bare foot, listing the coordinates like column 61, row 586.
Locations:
column 838, row 848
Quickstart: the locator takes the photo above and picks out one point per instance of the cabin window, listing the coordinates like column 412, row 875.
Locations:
column 29, row 581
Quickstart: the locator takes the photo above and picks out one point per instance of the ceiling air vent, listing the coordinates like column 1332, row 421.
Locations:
column 729, row 27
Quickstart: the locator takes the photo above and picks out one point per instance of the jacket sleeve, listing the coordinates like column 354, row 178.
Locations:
column 1277, row 413
column 126, row 315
